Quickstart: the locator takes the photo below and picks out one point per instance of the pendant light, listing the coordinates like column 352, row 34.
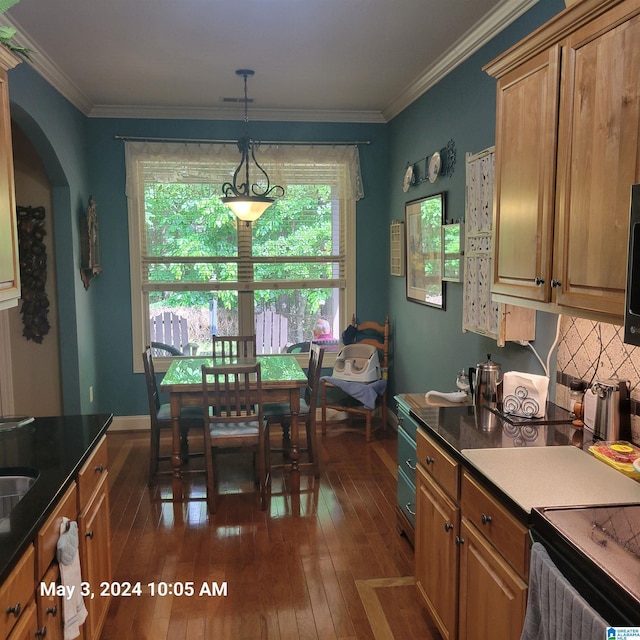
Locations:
column 248, row 203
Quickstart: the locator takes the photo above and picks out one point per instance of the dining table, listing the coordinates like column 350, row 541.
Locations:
column 282, row 377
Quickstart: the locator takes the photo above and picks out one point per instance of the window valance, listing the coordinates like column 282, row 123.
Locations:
column 214, row 163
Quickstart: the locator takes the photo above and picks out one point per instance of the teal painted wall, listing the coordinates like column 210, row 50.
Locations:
column 429, row 344
column 83, row 158
column 118, row 389
column 58, row 131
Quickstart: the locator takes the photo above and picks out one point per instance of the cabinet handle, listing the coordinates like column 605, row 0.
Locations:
column 408, row 463
column 448, row 526
column 15, row 609
column 52, row 611
column 89, row 534
column 99, row 468
column 459, row 540
column 485, row 519
column 429, row 460
column 555, row 283
column 41, row 633
column 538, row 281
column 408, row 508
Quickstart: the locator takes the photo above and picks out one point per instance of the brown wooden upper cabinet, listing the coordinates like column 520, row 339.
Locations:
column 567, row 153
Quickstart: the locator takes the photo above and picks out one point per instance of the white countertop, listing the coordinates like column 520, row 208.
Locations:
column 553, row 476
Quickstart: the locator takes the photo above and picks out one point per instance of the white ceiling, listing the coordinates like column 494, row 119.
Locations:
column 317, row 60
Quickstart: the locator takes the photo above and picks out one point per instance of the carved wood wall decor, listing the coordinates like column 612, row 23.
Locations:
column 90, row 246
column 33, row 272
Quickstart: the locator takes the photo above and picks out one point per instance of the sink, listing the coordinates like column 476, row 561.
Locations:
column 14, row 484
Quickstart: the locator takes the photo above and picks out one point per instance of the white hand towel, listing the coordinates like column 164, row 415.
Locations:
column 74, row 613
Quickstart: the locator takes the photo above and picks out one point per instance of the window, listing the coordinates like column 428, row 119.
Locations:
column 194, row 264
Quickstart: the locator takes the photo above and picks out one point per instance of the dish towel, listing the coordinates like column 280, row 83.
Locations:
column 555, row 610
column 74, row 613
column 365, row 392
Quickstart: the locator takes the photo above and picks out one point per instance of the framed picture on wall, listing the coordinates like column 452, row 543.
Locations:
column 423, row 226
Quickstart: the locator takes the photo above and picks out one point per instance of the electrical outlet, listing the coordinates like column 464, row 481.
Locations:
column 90, row 394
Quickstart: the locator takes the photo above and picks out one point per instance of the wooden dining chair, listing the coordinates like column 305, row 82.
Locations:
column 280, row 412
column 234, row 346
column 232, row 397
column 160, row 414
column 331, row 398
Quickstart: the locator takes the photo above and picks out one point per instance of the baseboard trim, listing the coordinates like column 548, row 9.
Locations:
column 130, row 423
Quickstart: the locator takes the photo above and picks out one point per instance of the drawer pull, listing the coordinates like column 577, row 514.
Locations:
column 430, row 460
column 89, row 534
column 16, row 609
column 52, row 611
column 409, row 509
column 100, row 468
column 459, row 540
column 41, row 633
column 538, row 281
column 448, row 526
column 486, row 519
column 411, row 466
column 555, row 283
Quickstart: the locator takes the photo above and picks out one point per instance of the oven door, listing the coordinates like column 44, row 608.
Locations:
column 602, row 591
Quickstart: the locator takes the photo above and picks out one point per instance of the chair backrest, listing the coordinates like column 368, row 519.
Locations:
column 152, row 386
column 170, row 332
column 272, row 332
column 376, row 334
column 316, row 355
column 234, row 346
column 232, row 393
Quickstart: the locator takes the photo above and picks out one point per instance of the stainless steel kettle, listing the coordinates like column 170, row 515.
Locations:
column 485, row 381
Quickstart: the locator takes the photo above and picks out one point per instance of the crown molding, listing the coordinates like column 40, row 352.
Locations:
column 492, row 24
column 44, row 66
column 481, row 33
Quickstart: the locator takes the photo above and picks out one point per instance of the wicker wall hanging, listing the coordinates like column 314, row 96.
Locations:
column 33, row 272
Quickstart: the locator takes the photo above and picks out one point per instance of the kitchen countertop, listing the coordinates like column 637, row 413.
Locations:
column 528, row 463
column 56, row 447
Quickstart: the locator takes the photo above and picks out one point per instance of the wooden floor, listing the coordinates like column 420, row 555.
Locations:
column 327, row 563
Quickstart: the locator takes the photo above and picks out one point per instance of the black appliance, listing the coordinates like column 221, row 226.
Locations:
column 632, row 302
column 598, row 550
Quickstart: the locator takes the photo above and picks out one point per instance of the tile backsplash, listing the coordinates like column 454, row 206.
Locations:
column 594, row 350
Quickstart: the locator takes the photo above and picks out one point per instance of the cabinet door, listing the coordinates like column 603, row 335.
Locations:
column 526, row 120
column 27, row 627
column 598, row 159
column 436, row 559
column 492, row 595
column 49, row 607
column 95, row 555
column 9, row 269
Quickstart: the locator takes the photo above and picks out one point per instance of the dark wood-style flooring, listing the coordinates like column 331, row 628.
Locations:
column 328, row 563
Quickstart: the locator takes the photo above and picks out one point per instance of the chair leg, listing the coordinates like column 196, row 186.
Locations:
column 154, row 453
column 368, row 427
column 312, row 446
column 211, row 484
column 324, row 408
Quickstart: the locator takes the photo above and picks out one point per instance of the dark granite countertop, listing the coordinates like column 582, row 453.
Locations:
column 56, row 448
column 459, row 427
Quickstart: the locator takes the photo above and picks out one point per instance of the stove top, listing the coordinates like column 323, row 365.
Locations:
column 603, row 544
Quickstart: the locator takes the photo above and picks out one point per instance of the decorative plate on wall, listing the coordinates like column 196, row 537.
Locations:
column 408, row 178
column 435, row 164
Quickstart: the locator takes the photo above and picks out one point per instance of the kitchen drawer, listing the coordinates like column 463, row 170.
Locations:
column 438, row 464
column 91, row 472
column 48, row 535
column 407, row 422
column 407, row 457
column 16, row 592
column 407, row 496
column 499, row 527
